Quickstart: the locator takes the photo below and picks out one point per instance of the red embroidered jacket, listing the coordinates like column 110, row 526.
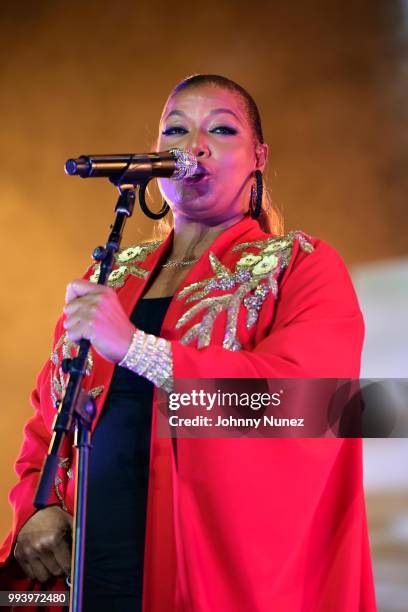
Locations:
column 238, row 525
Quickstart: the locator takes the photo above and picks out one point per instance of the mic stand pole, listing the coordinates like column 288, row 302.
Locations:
column 77, row 409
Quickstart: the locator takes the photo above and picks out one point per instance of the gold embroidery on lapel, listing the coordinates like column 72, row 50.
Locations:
column 254, row 277
column 96, row 391
column 126, row 262
column 64, row 463
column 65, row 349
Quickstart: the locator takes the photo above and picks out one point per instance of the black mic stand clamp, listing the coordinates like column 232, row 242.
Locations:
column 77, row 408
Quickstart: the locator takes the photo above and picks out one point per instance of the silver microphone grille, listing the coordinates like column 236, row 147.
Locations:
column 186, row 164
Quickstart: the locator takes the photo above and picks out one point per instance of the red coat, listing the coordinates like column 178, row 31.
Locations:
column 239, row 525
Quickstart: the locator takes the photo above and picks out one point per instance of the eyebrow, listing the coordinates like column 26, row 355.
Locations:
column 215, row 111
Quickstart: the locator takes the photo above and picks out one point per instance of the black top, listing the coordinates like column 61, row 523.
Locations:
column 118, row 479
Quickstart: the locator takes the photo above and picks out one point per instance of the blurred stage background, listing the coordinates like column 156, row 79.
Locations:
column 330, row 79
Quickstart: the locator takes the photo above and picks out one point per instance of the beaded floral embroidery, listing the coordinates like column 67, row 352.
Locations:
column 254, row 277
column 65, row 349
column 126, row 262
column 64, row 463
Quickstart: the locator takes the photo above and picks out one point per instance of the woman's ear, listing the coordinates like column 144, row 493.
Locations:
column 261, row 156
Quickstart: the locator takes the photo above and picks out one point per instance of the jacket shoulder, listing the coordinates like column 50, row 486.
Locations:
column 323, row 275
column 324, row 259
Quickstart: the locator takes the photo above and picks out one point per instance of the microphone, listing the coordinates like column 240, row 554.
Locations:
column 176, row 164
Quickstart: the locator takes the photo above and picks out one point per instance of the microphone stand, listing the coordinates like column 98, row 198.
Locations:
column 77, row 409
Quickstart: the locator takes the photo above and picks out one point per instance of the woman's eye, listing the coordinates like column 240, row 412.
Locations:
column 223, row 129
column 171, row 131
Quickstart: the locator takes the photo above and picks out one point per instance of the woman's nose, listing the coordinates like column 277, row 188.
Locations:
column 200, row 150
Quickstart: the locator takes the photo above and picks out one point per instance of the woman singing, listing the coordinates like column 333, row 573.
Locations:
column 203, row 525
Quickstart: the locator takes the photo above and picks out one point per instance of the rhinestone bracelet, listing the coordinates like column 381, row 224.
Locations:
column 151, row 357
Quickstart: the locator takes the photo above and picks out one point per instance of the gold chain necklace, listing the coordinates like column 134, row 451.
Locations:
column 174, row 263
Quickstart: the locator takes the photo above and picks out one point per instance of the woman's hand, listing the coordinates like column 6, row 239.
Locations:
column 95, row 313
column 43, row 547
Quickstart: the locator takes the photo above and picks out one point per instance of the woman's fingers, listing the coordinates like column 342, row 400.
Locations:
column 79, row 316
column 30, row 562
column 63, row 556
column 42, row 547
column 51, row 564
column 39, row 562
column 41, row 573
column 86, row 301
column 79, row 330
column 94, row 313
column 80, row 287
column 26, row 567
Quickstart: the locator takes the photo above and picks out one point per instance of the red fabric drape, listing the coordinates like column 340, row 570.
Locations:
column 244, row 524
